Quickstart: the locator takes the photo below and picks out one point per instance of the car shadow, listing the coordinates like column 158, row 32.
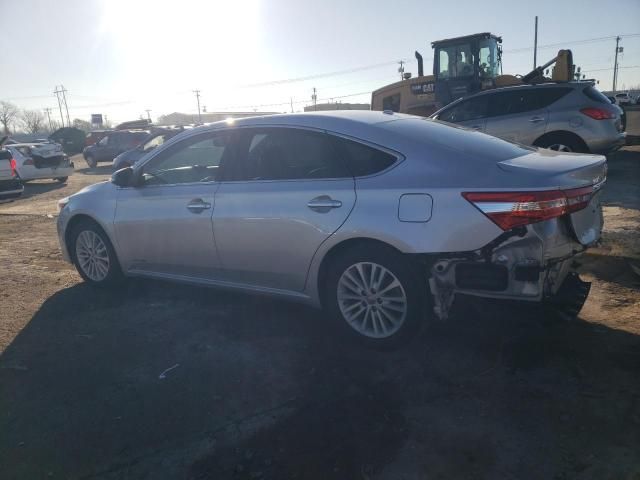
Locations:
column 624, row 172
column 164, row 380
column 38, row 187
column 101, row 169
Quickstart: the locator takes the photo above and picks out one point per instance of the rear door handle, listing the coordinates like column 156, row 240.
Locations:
column 536, row 119
column 323, row 204
column 197, row 205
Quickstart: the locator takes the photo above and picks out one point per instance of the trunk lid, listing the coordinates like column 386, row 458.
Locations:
column 558, row 169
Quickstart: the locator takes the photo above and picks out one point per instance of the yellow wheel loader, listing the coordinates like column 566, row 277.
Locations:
column 461, row 66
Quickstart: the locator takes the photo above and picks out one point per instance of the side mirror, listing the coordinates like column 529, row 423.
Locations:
column 123, row 177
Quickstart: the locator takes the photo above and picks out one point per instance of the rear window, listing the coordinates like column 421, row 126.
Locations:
column 595, row 95
column 442, row 136
column 363, row 160
column 5, row 155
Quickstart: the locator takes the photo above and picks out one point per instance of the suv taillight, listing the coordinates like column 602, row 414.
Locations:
column 597, row 113
column 14, row 171
column 513, row 209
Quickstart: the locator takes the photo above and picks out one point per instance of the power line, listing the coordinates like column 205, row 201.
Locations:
column 319, row 75
column 573, row 42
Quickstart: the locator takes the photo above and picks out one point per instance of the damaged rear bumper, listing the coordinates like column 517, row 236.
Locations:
column 527, row 263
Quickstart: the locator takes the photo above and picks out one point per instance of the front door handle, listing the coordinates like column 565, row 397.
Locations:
column 197, row 205
column 323, row 204
column 536, row 119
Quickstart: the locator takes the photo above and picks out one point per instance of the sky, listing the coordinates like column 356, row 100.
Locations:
column 122, row 57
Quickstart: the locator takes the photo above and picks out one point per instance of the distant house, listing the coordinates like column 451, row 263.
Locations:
column 177, row 118
column 323, row 107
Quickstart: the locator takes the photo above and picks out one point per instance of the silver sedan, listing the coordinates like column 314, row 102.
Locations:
column 381, row 219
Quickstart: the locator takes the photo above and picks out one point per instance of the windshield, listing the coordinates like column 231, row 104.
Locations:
column 455, row 61
column 489, row 61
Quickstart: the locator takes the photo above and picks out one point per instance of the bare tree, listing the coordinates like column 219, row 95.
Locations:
column 82, row 124
column 32, row 121
column 8, row 112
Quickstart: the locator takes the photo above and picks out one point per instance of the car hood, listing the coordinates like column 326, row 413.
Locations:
column 95, row 188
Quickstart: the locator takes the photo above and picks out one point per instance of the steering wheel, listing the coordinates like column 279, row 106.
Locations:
column 155, row 176
column 314, row 173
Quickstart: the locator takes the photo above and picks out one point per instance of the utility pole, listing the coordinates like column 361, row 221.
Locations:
column 57, row 94
column 314, row 97
column 64, row 100
column 197, row 92
column 48, row 112
column 291, row 99
column 535, row 45
column 401, row 69
column 615, row 64
column 148, row 115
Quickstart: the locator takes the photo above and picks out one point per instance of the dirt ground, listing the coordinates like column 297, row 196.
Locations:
column 166, row 381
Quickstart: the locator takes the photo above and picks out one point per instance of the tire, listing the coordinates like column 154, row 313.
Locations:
column 92, row 267
column 61, row 179
column 91, row 161
column 364, row 318
column 562, row 142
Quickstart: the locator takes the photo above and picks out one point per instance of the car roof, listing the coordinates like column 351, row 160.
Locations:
column 30, row 144
column 326, row 119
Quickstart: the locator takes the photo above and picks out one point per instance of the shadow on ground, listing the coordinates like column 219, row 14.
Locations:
column 624, row 172
column 103, row 168
column 165, row 381
column 32, row 188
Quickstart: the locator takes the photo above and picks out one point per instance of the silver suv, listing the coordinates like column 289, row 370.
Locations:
column 569, row 117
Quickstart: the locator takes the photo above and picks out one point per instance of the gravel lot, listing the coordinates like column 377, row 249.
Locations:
column 165, row 381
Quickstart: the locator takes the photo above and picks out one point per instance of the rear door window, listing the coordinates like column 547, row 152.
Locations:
column 515, row 101
column 288, row 154
column 362, row 160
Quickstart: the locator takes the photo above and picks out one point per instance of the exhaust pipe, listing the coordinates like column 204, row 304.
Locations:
column 419, row 59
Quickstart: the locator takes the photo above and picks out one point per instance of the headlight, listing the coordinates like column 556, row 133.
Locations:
column 62, row 203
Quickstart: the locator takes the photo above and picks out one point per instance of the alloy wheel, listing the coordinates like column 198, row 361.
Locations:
column 372, row 300
column 92, row 255
column 559, row 147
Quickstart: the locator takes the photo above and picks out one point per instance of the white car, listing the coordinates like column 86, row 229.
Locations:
column 623, row 99
column 41, row 160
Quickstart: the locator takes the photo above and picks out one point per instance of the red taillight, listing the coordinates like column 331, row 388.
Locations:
column 598, row 113
column 512, row 209
column 12, row 163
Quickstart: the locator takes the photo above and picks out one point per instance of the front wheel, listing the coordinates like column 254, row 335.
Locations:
column 61, row 179
column 91, row 161
column 376, row 296
column 93, row 255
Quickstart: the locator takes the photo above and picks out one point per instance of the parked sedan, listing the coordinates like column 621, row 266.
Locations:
column 379, row 218
column 10, row 185
column 569, row 117
column 35, row 161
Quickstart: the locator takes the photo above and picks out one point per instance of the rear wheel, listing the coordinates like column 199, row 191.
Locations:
column 562, row 142
column 61, row 179
column 93, row 255
column 91, row 161
column 375, row 296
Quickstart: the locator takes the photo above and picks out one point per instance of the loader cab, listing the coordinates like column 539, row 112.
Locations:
column 465, row 65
